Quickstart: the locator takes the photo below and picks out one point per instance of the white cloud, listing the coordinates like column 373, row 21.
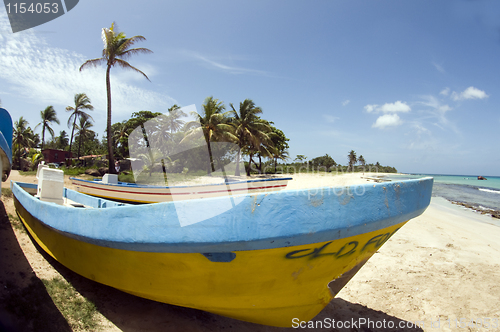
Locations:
column 469, row 93
column 387, row 120
column 226, row 68
column 438, row 67
column 438, row 111
column 370, row 108
column 345, row 102
column 44, row 75
column 396, row 107
column 445, row 92
column 330, row 118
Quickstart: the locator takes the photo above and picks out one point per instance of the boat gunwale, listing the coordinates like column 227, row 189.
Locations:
column 135, row 185
column 275, row 240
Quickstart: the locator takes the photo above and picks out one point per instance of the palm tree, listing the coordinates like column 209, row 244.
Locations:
column 82, row 102
column 174, row 113
column 35, row 160
column 120, row 135
column 213, row 124
column 62, row 140
column 116, row 49
column 280, row 146
column 251, row 131
column 84, row 131
column 48, row 116
column 22, row 137
column 352, row 159
column 361, row 160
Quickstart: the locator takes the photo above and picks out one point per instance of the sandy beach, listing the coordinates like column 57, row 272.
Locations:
column 440, row 271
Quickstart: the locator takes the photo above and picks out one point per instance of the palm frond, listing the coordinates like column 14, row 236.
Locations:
column 124, row 64
column 92, row 63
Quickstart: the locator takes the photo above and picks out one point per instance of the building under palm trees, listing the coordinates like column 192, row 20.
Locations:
column 56, row 156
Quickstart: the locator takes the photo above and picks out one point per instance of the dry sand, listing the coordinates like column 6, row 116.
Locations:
column 441, row 267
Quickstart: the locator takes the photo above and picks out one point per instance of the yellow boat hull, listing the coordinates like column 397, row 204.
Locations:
column 270, row 286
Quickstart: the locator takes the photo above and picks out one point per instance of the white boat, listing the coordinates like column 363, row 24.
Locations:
column 137, row 193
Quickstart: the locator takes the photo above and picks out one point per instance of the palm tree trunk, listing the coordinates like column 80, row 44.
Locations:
column 79, row 146
column 72, row 132
column 43, row 134
column 111, row 164
column 211, row 168
column 237, row 172
column 250, row 164
column 19, row 157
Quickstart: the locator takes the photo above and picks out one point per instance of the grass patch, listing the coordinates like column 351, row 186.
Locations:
column 7, row 192
column 74, row 171
column 78, row 311
column 27, row 173
column 17, row 224
column 126, row 178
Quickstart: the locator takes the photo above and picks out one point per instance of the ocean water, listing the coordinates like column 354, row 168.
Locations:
column 481, row 194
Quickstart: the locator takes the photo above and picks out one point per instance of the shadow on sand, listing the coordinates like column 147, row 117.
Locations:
column 25, row 304
column 130, row 313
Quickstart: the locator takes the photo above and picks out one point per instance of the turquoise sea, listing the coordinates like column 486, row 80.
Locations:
column 481, row 194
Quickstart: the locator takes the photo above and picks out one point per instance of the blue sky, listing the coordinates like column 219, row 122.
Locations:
column 411, row 84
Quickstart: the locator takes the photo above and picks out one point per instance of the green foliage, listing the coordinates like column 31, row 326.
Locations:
column 48, row 116
column 23, row 137
column 324, row 162
column 126, row 178
column 74, row 171
column 352, row 159
column 300, row 158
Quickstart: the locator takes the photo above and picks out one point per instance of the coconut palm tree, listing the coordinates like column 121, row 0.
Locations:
column 22, row 137
column 352, row 159
column 280, row 146
column 361, row 160
column 174, row 114
column 116, row 49
column 213, row 124
column 250, row 130
column 48, row 116
column 84, row 131
column 82, row 103
column 121, row 131
column 62, row 140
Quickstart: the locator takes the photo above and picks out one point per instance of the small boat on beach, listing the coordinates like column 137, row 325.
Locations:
column 5, row 144
column 138, row 193
column 265, row 257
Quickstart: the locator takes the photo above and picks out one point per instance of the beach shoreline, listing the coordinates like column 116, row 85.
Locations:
column 441, row 266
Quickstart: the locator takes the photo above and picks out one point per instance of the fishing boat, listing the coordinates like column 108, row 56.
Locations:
column 5, row 144
column 110, row 188
column 266, row 258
